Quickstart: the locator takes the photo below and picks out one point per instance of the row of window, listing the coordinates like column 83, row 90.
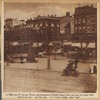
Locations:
column 35, row 26
column 91, row 20
column 88, row 20
column 79, row 21
column 88, row 29
column 76, row 28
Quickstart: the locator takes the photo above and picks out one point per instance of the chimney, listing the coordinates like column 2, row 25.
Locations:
column 52, row 16
column 67, row 14
column 92, row 5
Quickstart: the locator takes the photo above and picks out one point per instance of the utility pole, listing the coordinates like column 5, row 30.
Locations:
column 48, row 60
column 48, row 37
column 31, row 55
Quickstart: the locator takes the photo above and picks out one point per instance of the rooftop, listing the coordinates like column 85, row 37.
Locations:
column 9, row 19
column 85, row 10
column 52, row 17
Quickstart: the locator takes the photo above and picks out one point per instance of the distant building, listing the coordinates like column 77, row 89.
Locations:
column 45, row 24
column 64, row 23
column 91, row 25
column 11, row 22
column 67, row 28
column 85, row 20
column 21, row 22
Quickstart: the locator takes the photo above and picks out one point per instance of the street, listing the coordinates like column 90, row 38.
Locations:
column 35, row 77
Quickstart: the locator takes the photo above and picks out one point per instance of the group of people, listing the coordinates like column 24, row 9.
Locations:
column 10, row 59
column 72, row 64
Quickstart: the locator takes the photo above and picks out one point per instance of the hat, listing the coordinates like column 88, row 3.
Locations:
column 69, row 60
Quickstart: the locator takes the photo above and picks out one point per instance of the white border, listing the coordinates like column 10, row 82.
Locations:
column 98, row 48
column 2, row 45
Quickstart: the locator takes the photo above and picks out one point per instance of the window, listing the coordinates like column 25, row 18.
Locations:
column 46, row 24
column 36, row 25
column 88, row 20
column 79, row 28
column 76, row 21
column 83, row 27
column 88, row 27
column 40, row 24
column 57, row 25
column 52, row 25
column 83, row 30
column 83, row 20
column 79, row 20
column 75, row 28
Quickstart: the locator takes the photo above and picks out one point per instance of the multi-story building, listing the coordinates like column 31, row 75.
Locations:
column 85, row 20
column 91, row 25
column 85, row 27
column 12, row 22
column 39, row 30
column 21, row 22
column 49, row 25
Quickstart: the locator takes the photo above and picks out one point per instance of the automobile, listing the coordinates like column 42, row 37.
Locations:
column 42, row 53
column 72, row 54
column 58, row 51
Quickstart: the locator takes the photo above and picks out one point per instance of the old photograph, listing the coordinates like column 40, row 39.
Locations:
column 50, row 47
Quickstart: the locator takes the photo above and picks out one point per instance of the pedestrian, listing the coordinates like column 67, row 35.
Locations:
column 70, row 65
column 76, row 62
column 11, row 59
column 95, row 69
column 21, row 59
column 7, row 60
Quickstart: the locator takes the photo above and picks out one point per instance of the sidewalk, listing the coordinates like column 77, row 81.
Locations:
column 56, row 65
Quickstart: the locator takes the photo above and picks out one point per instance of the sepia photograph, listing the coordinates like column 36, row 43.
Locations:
column 50, row 47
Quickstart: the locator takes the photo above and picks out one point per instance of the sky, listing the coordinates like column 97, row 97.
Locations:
column 24, row 11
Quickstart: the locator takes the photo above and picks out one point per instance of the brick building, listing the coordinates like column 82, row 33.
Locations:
column 45, row 22
column 85, row 20
column 38, row 30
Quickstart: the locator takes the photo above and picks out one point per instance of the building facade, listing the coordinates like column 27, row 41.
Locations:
column 49, row 25
column 85, row 20
column 65, row 23
column 39, row 30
